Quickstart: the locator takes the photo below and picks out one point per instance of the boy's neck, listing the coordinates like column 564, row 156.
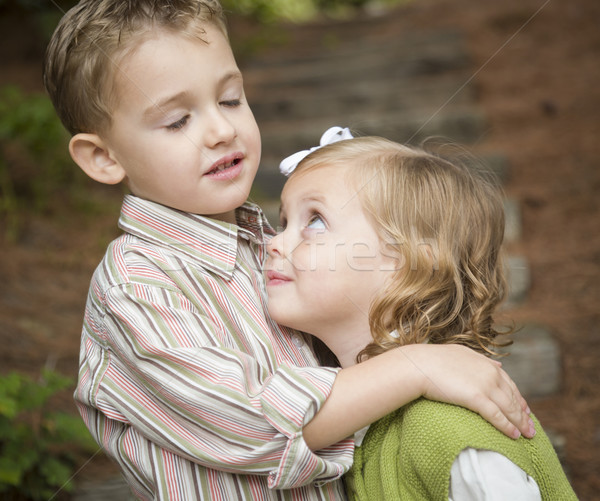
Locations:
column 227, row 217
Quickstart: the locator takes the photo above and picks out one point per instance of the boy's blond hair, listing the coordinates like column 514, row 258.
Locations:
column 90, row 41
column 445, row 225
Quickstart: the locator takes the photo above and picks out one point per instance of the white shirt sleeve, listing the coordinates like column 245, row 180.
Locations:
column 480, row 475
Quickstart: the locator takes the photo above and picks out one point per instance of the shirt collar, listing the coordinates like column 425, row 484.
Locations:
column 212, row 243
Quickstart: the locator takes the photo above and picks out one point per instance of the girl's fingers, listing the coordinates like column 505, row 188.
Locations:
column 511, row 403
column 492, row 413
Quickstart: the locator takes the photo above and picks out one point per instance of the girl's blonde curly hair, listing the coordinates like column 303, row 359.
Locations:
column 444, row 224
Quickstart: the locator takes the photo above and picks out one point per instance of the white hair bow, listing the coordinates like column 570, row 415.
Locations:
column 330, row 136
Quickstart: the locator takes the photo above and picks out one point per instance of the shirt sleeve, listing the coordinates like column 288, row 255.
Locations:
column 200, row 396
column 478, row 475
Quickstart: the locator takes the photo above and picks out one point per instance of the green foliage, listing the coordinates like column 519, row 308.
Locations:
column 35, row 166
column 272, row 10
column 328, row 4
column 38, row 449
column 294, row 10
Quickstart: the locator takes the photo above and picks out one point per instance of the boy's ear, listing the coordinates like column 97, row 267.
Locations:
column 91, row 153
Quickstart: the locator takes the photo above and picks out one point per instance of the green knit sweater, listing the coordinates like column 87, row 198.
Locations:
column 408, row 454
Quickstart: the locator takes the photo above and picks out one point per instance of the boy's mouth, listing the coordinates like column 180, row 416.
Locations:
column 224, row 165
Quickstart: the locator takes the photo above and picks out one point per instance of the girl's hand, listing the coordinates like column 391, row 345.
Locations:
column 458, row 375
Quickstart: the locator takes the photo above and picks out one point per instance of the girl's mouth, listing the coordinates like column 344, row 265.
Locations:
column 275, row 278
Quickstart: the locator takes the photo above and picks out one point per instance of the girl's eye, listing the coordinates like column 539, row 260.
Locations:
column 316, row 222
column 179, row 124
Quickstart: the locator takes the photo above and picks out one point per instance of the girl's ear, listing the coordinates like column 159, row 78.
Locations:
column 91, row 153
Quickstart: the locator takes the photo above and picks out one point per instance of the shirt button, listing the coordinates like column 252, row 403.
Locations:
column 297, row 340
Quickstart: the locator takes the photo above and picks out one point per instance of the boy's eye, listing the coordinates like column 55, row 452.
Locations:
column 231, row 103
column 316, row 222
column 179, row 124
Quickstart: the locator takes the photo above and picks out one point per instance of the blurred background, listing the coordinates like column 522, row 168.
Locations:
column 515, row 82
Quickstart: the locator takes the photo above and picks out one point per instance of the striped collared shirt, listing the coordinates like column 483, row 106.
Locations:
column 185, row 380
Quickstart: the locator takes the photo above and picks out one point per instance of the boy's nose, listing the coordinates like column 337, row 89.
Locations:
column 219, row 130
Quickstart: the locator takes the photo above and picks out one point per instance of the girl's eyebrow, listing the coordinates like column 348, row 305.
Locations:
column 307, row 198
column 314, row 198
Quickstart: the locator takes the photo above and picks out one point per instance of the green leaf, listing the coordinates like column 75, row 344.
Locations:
column 55, row 472
column 37, row 458
column 10, row 389
column 67, row 428
column 10, row 473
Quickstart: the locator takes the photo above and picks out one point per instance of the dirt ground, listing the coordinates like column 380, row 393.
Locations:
column 536, row 70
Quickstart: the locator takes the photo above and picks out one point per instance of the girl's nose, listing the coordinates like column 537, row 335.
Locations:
column 274, row 246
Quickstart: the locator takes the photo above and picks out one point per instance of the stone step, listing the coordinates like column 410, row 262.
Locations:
column 359, row 96
column 311, row 46
column 519, row 280
column 376, row 78
column 372, row 65
column 534, row 361
column 513, row 227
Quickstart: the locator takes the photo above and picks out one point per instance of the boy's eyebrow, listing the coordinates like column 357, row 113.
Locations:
column 157, row 108
column 232, row 75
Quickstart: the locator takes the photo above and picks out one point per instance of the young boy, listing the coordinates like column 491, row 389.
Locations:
column 184, row 380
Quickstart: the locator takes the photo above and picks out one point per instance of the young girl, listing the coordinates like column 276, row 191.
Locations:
column 385, row 245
